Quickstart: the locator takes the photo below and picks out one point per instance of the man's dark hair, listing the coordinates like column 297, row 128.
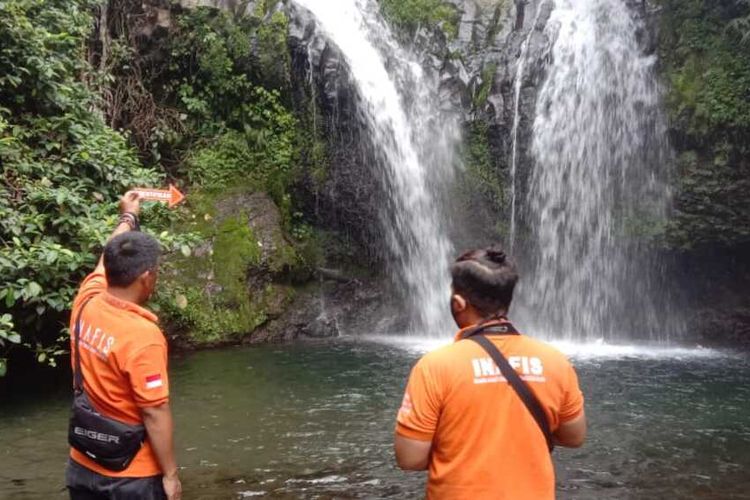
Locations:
column 128, row 255
column 486, row 279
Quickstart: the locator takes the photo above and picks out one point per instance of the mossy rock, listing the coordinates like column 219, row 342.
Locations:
column 240, row 278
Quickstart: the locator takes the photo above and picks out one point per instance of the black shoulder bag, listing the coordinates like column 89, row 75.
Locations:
column 516, row 382
column 108, row 442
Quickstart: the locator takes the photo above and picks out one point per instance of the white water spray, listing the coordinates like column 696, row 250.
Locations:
column 416, row 143
column 597, row 187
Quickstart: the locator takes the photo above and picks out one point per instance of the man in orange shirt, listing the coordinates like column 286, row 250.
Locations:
column 123, row 360
column 463, row 420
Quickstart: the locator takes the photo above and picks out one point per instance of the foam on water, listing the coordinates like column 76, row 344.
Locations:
column 576, row 350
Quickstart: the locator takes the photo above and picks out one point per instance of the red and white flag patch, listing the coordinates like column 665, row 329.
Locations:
column 154, row 381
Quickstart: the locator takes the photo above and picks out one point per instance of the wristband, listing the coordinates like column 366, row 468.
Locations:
column 131, row 220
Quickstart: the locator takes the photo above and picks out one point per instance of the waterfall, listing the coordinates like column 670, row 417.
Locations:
column 415, row 142
column 597, row 187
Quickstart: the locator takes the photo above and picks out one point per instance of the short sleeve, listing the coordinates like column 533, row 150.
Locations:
column 420, row 410
column 572, row 404
column 147, row 371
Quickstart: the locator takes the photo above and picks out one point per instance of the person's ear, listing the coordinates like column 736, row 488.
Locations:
column 145, row 278
column 458, row 303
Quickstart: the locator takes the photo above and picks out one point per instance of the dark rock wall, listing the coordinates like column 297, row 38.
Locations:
column 344, row 193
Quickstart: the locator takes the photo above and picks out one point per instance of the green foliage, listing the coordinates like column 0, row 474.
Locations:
column 273, row 53
column 261, row 155
column 242, row 133
column 410, row 15
column 482, row 184
column 706, row 56
column 481, row 167
column 483, row 92
column 210, row 61
column 61, row 168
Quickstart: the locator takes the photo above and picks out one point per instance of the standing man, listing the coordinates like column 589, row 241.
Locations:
column 464, row 419
column 123, row 367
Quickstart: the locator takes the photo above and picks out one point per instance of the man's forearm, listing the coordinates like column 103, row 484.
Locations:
column 122, row 227
column 158, row 422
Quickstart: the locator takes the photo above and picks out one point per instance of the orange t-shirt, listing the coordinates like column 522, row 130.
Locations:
column 124, row 364
column 485, row 443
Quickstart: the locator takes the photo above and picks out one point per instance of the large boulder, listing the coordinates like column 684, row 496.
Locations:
column 242, row 276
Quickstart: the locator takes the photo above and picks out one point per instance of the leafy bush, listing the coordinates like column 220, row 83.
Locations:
column 245, row 136
column 260, row 155
column 62, row 170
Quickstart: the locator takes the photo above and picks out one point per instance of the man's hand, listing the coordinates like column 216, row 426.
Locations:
column 130, row 202
column 159, row 427
column 172, row 486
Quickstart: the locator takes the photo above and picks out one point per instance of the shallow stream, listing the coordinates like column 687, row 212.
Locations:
column 315, row 420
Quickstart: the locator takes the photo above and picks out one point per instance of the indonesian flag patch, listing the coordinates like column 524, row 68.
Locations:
column 153, row 381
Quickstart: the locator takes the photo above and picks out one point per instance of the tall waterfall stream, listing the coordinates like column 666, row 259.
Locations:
column 415, row 143
column 597, row 187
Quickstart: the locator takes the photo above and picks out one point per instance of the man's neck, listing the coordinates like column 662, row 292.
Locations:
column 476, row 319
column 124, row 294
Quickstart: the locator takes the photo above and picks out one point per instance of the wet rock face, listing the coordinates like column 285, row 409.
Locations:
column 347, row 198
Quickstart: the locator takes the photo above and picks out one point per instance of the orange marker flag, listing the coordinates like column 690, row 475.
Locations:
column 172, row 196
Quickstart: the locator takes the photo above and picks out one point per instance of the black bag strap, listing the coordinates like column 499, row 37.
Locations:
column 78, row 374
column 522, row 388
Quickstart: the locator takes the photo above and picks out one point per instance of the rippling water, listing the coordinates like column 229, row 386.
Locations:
column 316, row 421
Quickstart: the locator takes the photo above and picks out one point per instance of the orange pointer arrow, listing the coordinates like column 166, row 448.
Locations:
column 172, row 196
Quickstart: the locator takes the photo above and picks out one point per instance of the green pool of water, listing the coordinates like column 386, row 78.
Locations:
column 316, row 421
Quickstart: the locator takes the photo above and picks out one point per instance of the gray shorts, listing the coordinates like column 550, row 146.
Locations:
column 85, row 484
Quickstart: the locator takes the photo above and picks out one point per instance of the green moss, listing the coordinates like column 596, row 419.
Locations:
column 705, row 53
column 410, row 15
column 482, row 183
column 236, row 249
column 483, row 92
column 206, row 294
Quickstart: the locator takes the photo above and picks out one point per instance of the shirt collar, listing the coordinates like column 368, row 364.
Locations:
column 129, row 306
column 460, row 334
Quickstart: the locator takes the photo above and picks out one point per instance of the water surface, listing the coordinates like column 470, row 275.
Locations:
column 316, row 421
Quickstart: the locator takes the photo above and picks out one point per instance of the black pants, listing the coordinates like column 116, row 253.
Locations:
column 85, row 484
